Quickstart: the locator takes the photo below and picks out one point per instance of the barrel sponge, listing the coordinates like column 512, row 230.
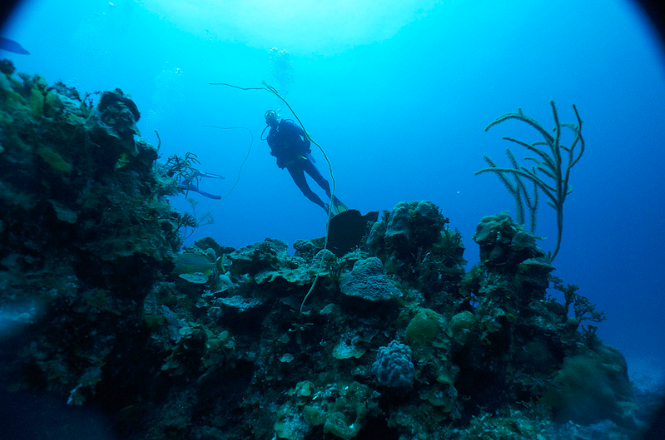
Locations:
column 393, row 366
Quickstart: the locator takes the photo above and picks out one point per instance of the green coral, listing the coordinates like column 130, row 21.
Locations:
column 54, row 160
column 591, row 387
column 462, row 324
column 423, row 328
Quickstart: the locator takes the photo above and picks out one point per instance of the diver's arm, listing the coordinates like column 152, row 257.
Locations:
column 275, row 152
column 299, row 130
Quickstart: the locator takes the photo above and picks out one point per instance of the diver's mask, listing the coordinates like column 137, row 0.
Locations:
column 270, row 116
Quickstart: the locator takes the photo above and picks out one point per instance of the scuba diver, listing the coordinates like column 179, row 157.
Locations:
column 291, row 146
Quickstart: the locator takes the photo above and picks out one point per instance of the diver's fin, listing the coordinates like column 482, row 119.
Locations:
column 340, row 207
column 12, row 46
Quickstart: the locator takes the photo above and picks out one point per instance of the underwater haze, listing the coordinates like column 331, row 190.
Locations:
column 397, row 94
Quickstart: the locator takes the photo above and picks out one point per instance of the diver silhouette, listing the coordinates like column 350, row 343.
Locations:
column 291, row 146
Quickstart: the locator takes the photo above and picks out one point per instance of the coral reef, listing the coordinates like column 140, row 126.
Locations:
column 87, row 232
column 399, row 340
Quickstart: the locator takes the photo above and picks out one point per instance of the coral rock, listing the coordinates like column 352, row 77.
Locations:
column 367, row 281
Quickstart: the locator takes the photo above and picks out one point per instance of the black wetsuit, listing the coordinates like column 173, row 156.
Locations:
column 289, row 144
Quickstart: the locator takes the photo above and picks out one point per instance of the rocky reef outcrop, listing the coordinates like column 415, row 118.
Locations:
column 398, row 338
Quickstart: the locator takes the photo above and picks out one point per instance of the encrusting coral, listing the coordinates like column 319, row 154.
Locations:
column 104, row 320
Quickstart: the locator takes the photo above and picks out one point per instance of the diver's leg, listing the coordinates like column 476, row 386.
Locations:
column 314, row 172
column 298, row 176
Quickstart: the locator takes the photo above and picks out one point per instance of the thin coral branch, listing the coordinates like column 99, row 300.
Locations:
column 550, row 165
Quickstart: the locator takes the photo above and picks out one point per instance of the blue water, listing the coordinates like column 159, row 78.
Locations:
column 398, row 95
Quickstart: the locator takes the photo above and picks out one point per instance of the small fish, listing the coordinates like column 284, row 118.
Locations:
column 12, row 46
column 190, row 262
